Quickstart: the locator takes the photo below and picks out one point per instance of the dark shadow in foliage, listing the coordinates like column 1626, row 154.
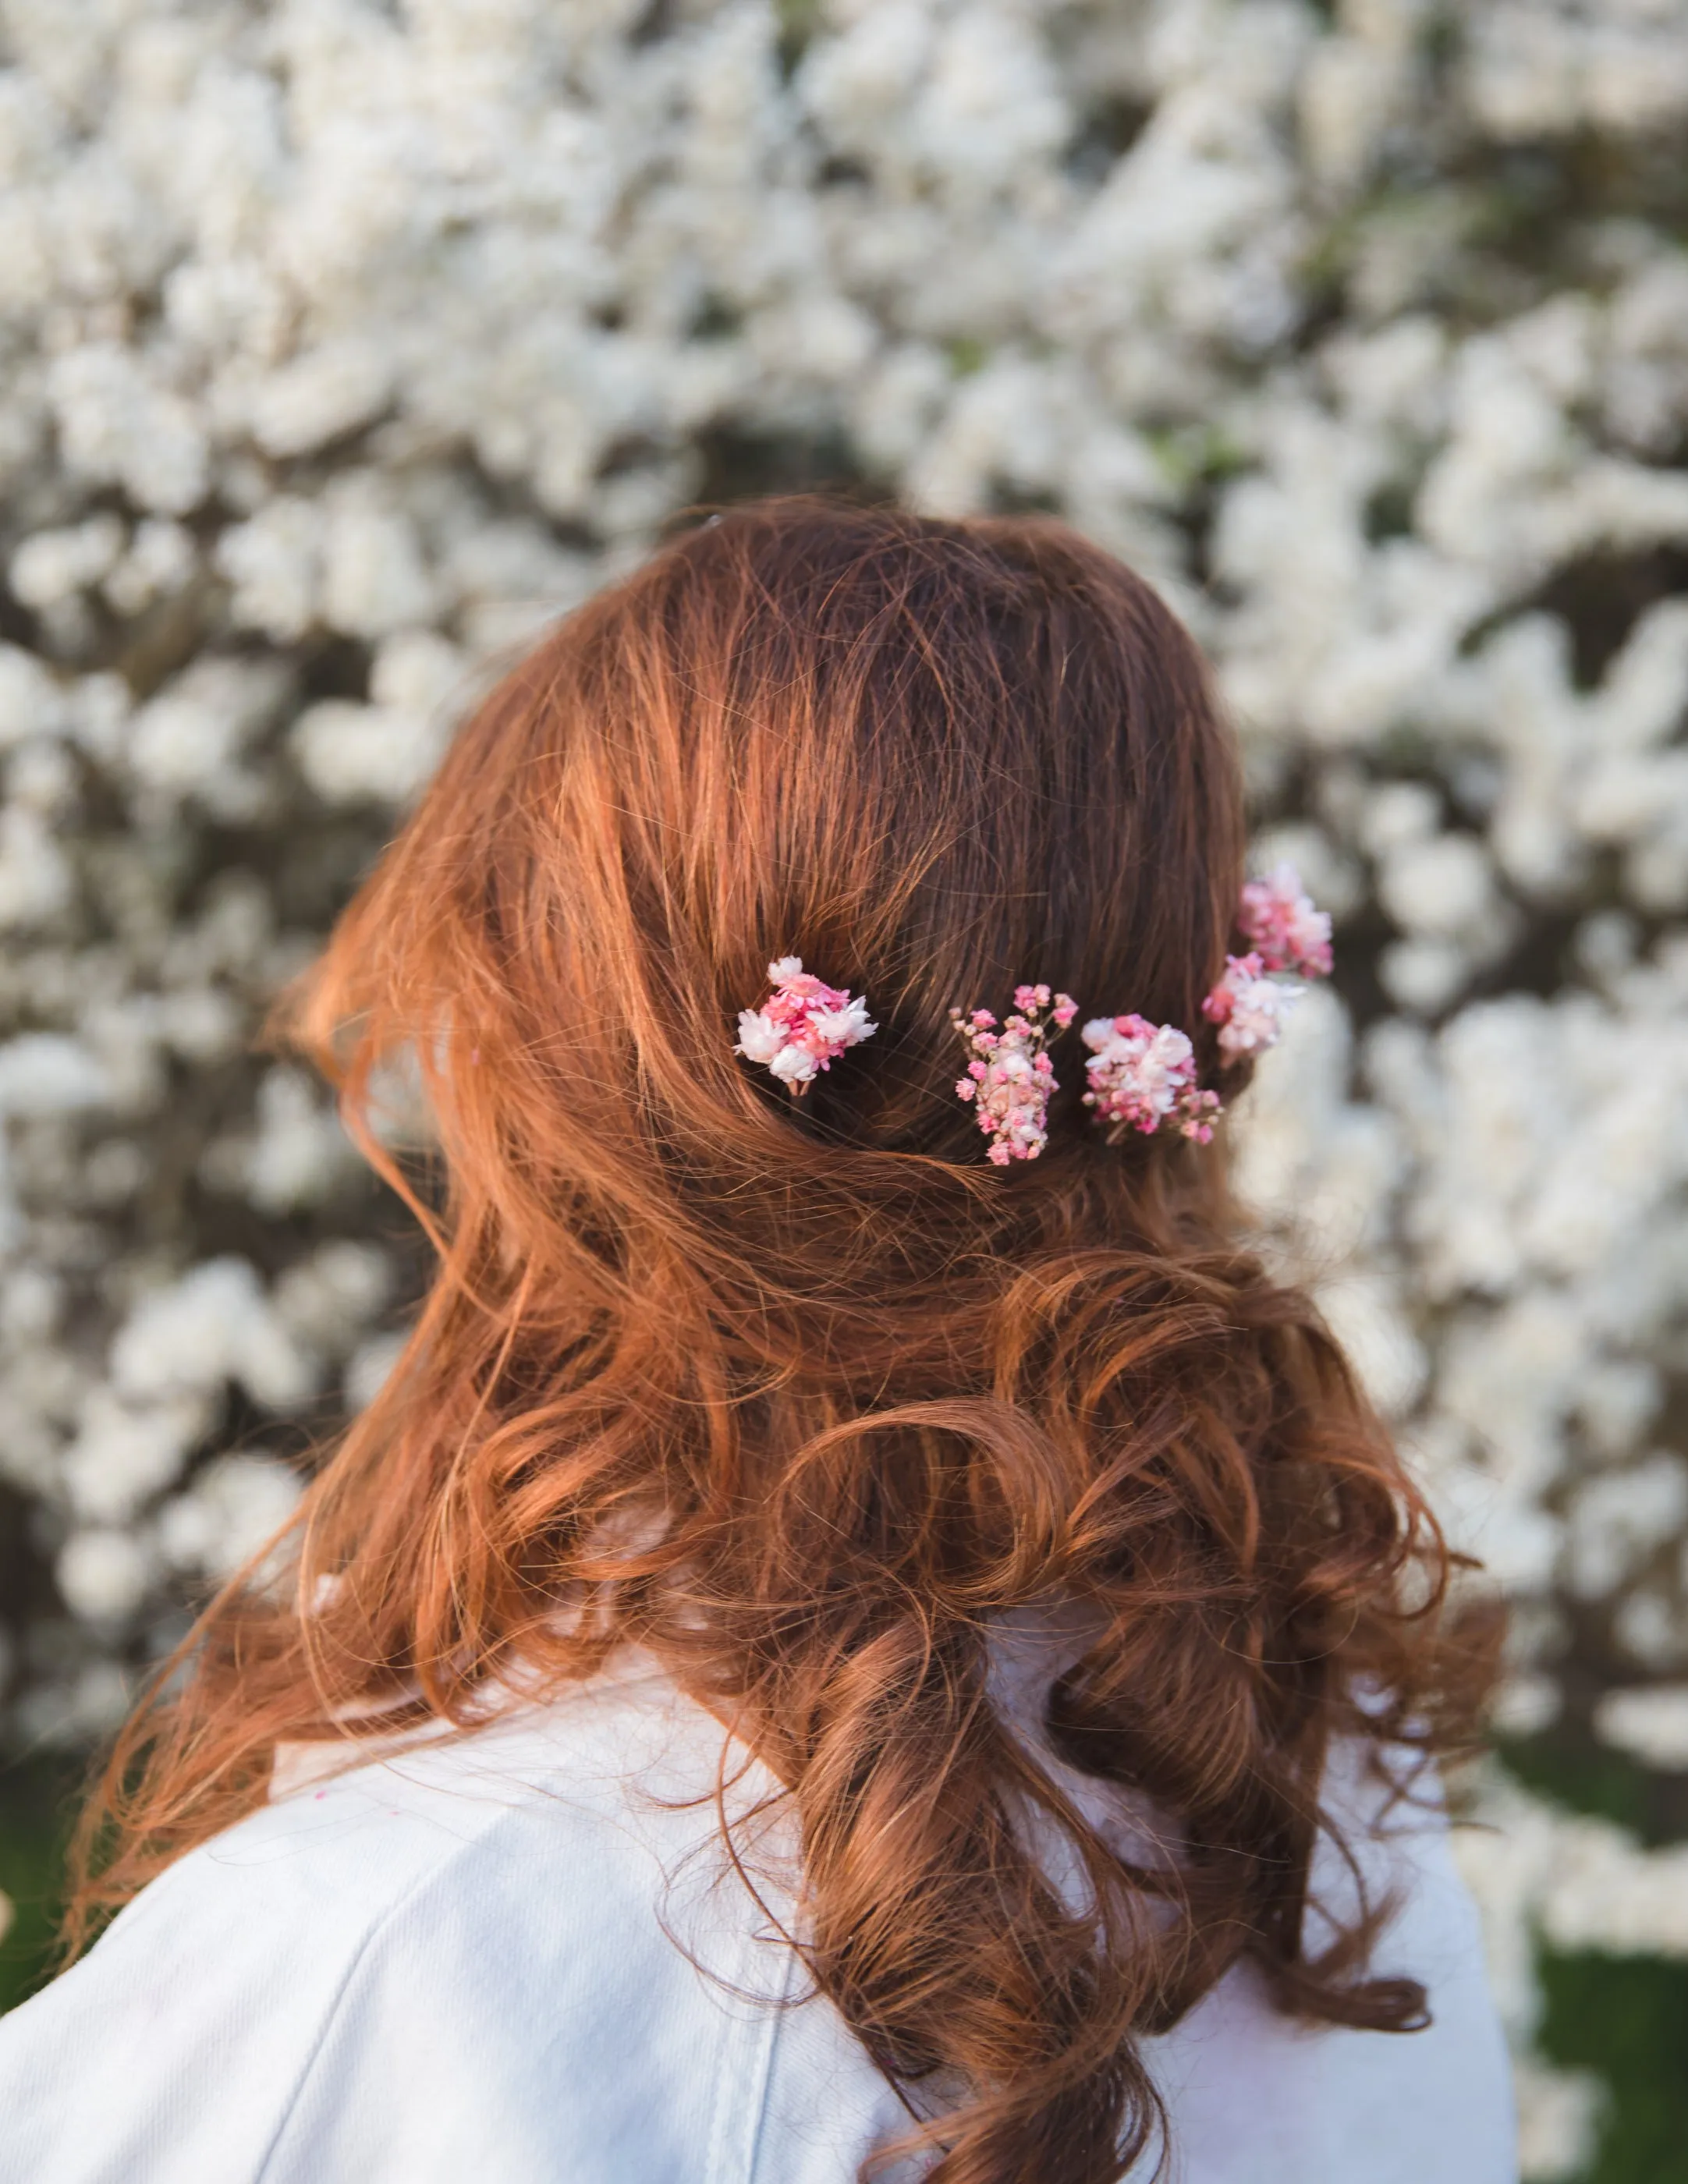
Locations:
column 1569, row 1765
column 740, row 466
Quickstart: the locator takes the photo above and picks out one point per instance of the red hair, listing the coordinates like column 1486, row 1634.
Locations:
column 802, row 1397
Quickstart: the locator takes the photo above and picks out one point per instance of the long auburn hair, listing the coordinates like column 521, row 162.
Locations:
column 804, row 1397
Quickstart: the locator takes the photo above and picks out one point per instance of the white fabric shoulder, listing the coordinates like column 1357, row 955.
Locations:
column 1256, row 2098
column 522, row 1956
column 516, row 1955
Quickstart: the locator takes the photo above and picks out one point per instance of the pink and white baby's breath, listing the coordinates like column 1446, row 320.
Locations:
column 1010, row 1078
column 803, row 1027
column 1282, row 925
column 1287, row 933
column 1142, row 1075
column 1249, row 1008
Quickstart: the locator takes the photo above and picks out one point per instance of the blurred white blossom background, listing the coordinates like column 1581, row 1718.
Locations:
column 344, row 343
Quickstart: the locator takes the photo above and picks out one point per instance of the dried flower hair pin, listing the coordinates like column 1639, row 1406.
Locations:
column 1142, row 1075
column 1010, row 1078
column 1289, row 934
column 803, row 1027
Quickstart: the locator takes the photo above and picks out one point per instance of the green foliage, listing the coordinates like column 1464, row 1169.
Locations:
column 1626, row 2019
column 35, row 1805
column 1586, row 1776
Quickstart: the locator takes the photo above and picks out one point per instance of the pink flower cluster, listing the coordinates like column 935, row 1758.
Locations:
column 803, row 1027
column 1279, row 920
column 1011, row 1076
column 1142, row 1075
column 1249, row 1007
column 1248, row 1004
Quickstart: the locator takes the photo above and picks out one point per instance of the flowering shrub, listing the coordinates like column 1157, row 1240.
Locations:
column 342, row 344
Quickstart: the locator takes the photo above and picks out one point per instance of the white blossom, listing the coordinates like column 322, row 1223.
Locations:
column 124, row 1452
column 369, row 1369
column 214, row 1324
column 1650, row 1722
column 103, row 1574
column 36, row 880
column 233, row 1507
column 1559, row 2117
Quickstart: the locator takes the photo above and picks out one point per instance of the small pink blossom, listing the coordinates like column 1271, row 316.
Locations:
column 1143, row 1074
column 803, row 1027
column 1282, row 928
column 1249, row 1007
column 1010, row 1078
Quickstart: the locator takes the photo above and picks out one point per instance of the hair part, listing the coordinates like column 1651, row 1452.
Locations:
column 805, row 1397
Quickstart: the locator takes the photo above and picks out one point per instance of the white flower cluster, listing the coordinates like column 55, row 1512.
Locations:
column 343, row 344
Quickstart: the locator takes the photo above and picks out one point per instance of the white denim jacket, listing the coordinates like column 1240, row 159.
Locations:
column 518, row 1958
